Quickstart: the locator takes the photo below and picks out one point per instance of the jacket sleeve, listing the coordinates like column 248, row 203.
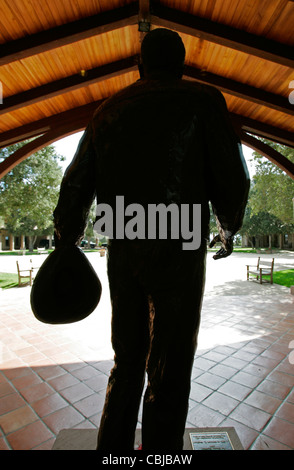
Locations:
column 228, row 179
column 77, row 192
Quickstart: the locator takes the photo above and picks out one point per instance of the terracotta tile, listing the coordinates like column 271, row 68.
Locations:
column 221, row 403
column 286, row 411
column 203, row 364
column 90, row 405
column 274, row 389
column 258, row 370
column 63, row 381
column 235, row 390
column 17, row 419
column 281, row 431
column 36, row 392
column 281, row 378
column 50, row 372
column 250, row 416
column 223, row 371
column 4, row 445
column 97, row 383
column 210, row 380
column 198, row 392
column 65, row 418
column 201, row 416
column 246, row 379
column 246, row 434
column 47, row 445
column 235, row 362
column 290, row 398
column 287, row 368
column 263, row 401
column 50, row 404
column 6, row 389
column 29, row 437
column 12, row 372
column 76, row 392
column 11, row 402
column 86, row 372
column 266, row 443
column 27, row 380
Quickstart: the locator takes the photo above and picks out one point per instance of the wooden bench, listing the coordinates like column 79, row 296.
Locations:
column 28, row 273
column 24, row 274
column 263, row 268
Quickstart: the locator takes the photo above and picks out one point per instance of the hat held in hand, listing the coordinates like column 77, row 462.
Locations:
column 66, row 288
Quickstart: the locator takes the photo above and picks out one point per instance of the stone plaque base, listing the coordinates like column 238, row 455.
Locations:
column 194, row 439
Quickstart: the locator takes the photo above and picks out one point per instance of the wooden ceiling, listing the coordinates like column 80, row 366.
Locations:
column 60, row 58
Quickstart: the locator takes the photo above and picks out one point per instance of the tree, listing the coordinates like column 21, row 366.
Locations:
column 272, row 189
column 270, row 207
column 29, row 193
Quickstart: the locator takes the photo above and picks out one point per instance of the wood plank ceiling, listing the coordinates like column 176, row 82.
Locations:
column 60, row 58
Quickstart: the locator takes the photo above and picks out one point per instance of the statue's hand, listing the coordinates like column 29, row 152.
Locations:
column 225, row 250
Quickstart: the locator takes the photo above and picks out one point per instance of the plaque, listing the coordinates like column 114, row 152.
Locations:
column 211, row 441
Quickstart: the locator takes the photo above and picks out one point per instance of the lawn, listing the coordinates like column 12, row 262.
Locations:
column 284, row 278
column 8, row 280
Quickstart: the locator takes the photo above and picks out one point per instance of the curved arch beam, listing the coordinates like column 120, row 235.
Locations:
column 271, row 154
column 33, row 146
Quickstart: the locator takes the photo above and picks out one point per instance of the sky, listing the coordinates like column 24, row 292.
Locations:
column 68, row 145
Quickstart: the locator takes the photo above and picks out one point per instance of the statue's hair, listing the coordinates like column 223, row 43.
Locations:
column 163, row 49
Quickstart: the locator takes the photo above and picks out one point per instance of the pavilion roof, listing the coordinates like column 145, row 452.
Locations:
column 60, row 58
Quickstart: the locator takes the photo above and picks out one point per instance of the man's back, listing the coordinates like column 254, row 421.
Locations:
column 154, row 143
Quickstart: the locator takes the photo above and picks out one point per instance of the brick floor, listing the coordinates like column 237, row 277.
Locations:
column 54, row 377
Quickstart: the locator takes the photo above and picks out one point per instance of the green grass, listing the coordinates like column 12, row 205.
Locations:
column 283, row 278
column 8, row 280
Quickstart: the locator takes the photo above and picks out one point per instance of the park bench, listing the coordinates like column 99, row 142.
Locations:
column 263, row 268
column 26, row 274
column 42, row 250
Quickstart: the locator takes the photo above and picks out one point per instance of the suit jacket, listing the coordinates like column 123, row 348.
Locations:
column 157, row 141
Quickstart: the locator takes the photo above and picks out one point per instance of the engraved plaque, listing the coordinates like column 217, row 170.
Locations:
column 211, row 441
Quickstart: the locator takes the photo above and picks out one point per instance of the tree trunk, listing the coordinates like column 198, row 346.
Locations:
column 32, row 239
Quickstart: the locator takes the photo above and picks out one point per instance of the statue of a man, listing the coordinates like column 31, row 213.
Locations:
column 163, row 140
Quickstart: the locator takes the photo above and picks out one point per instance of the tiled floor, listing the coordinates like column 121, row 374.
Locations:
column 54, row 377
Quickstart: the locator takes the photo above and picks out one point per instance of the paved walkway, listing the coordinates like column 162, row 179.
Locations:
column 54, row 377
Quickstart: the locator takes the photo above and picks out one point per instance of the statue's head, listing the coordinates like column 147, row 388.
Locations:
column 163, row 51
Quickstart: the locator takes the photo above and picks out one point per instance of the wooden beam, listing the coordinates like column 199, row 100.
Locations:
column 222, row 34
column 68, row 84
column 75, row 117
column 262, row 129
column 34, row 145
column 271, row 154
column 246, row 92
column 129, row 64
column 68, row 33
column 144, row 16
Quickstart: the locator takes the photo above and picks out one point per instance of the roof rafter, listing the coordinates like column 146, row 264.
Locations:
column 221, row 34
column 68, row 33
column 241, row 90
column 129, row 64
column 68, row 84
column 160, row 16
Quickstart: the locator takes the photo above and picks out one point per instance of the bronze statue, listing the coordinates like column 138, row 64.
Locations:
column 163, row 140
